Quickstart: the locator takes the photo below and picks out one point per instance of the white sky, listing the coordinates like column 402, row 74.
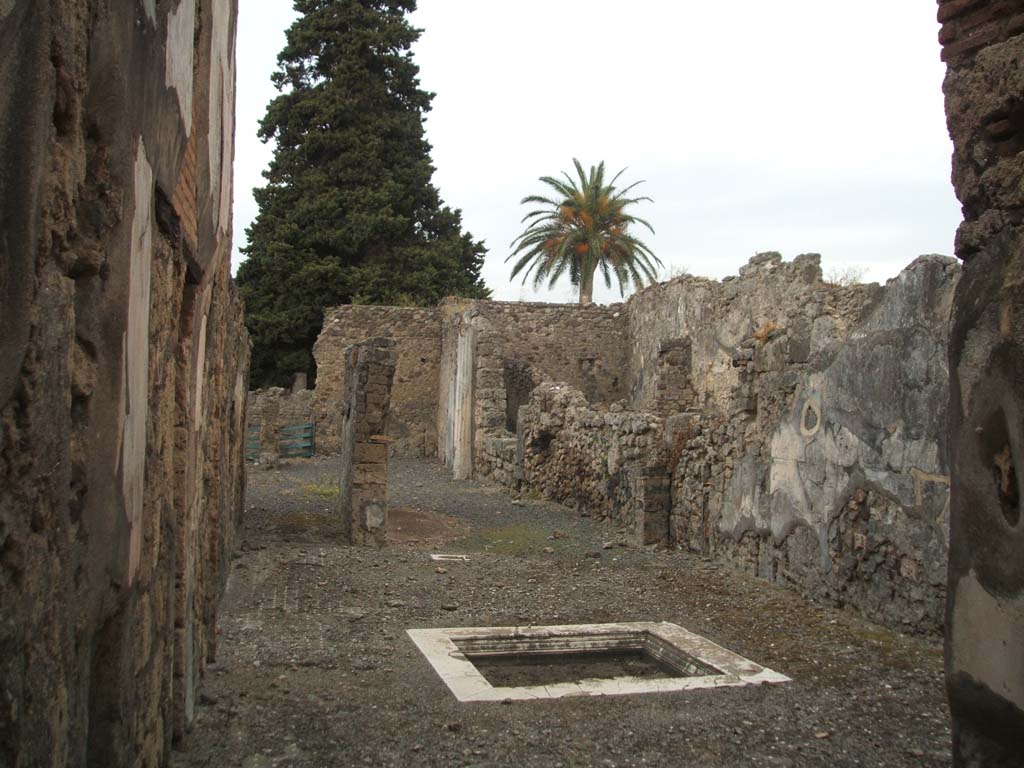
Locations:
column 795, row 126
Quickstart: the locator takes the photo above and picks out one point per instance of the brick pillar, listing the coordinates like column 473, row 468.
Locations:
column 657, row 503
column 369, row 372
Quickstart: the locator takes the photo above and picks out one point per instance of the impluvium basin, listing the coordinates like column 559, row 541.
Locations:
column 516, row 663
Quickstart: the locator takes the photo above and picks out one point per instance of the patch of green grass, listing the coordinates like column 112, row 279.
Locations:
column 324, row 491
column 510, row 540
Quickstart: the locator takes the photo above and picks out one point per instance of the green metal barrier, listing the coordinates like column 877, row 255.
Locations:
column 252, row 442
column 297, row 442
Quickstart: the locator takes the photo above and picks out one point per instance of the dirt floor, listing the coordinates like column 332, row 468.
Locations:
column 315, row 668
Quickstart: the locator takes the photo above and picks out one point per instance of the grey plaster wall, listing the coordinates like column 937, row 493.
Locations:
column 831, row 471
column 717, row 316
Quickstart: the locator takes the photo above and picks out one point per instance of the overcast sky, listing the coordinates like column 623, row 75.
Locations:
column 794, row 126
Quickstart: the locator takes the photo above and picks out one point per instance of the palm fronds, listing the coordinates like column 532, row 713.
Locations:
column 583, row 227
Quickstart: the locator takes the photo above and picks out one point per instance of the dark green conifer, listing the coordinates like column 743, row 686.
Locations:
column 349, row 213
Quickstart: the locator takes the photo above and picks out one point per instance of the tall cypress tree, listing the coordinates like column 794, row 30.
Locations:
column 349, row 213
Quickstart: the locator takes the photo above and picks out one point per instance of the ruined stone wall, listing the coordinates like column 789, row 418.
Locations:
column 123, row 372
column 604, row 461
column 417, row 334
column 983, row 47
column 583, row 347
column 276, row 407
column 828, row 469
column 804, row 430
column 716, row 317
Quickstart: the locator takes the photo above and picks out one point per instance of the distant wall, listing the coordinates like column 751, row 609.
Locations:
column 412, row 422
column 272, row 408
column 983, row 47
column 583, row 346
column 715, row 317
column 123, row 373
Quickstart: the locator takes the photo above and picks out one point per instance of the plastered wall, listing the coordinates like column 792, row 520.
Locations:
column 125, row 367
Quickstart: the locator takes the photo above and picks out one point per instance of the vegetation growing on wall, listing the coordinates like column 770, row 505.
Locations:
column 349, row 213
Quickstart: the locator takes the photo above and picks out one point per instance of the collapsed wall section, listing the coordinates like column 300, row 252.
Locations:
column 123, row 372
column 983, row 47
column 417, row 334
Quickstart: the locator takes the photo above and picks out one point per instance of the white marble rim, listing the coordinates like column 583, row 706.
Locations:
column 463, row 679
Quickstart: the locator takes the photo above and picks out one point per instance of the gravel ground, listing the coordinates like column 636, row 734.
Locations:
column 315, row 668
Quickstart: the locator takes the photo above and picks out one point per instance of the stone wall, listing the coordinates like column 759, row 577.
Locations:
column 363, row 501
column 828, row 471
column 983, row 46
column 714, row 318
column 276, row 407
column 583, row 347
column 795, row 428
column 604, row 461
column 123, row 372
column 417, row 334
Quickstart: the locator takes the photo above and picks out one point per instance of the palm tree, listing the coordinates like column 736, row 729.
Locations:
column 583, row 228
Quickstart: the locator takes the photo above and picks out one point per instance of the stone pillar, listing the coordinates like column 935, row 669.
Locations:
column 462, row 405
column 652, row 525
column 369, row 373
column 984, row 51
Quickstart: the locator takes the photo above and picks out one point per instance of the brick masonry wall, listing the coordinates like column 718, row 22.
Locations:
column 417, row 333
column 983, row 47
column 124, row 373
